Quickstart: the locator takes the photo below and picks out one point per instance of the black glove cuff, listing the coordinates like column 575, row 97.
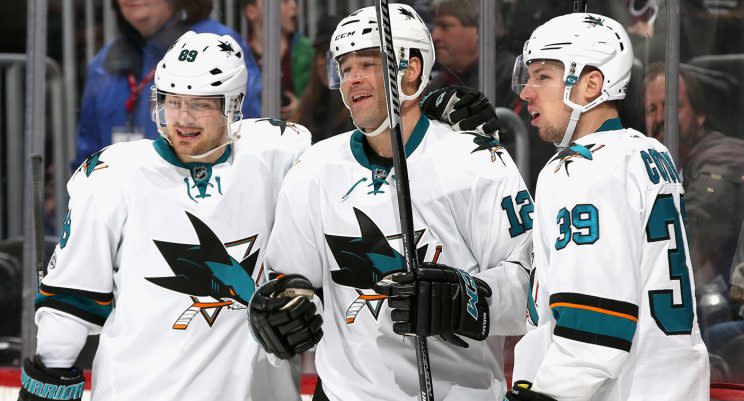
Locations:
column 41, row 383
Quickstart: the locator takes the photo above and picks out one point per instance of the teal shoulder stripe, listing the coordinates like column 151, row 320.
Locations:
column 592, row 322
column 76, row 305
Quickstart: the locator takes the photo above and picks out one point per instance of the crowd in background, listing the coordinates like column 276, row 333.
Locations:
column 114, row 107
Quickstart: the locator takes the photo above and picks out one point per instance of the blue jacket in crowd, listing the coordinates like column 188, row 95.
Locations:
column 103, row 114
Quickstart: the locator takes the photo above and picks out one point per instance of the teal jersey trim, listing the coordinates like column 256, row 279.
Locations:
column 613, row 124
column 358, row 149
column 590, row 326
column 201, row 173
column 166, row 152
column 83, row 307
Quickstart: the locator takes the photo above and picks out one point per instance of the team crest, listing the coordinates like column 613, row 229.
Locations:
column 365, row 260
column 492, row 144
column 208, row 273
column 283, row 125
column 573, row 151
column 93, row 163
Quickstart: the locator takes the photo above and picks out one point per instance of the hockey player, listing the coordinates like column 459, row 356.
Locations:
column 161, row 246
column 611, row 303
column 337, row 230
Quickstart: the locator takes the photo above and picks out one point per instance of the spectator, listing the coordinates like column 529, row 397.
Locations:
column 712, row 165
column 296, row 52
column 321, row 109
column 455, row 37
column 115, row 106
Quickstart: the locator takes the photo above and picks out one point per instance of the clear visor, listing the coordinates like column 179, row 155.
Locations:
column 538, row 74
column 167, row 109
column 352, row 66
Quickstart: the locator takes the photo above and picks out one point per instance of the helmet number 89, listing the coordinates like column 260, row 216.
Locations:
column 187, row 55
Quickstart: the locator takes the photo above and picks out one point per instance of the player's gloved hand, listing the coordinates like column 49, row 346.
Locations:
column 40, row 383
column 463, row 108
column 521, row 392
column 282, row 317
column 449, row 302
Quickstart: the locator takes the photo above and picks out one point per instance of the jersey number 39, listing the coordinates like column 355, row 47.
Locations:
column 671, row 319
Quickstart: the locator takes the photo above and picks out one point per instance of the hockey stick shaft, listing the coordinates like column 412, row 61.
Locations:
column 390, row 72
column 37, row 182
column 580, row 6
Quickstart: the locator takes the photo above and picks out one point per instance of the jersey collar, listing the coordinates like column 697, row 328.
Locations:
column 166, row 152
column 365, row 156
column 612, row 124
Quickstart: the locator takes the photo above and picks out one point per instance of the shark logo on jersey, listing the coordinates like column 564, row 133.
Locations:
column 490, row 143
column 283, row 125
column 207, row 270
column 573, row 151
column 93, row 163
column 364, row 260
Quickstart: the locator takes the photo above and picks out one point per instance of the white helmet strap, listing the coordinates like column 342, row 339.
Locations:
column 576, row 111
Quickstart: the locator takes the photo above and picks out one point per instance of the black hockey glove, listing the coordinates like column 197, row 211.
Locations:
column 463, row 108
column 282, row 317
column 40, row 383
column 449, row 302
column 521, row 392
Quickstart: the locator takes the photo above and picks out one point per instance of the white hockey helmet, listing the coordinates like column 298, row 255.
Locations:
column 578, row 40
column 203, row 64
column 359, row 32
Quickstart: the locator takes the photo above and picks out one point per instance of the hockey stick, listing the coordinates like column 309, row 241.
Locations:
column 580, row 6
column 390, row 71
column 37, row 182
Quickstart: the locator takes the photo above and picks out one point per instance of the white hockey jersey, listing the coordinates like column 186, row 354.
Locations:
column 161, row 258
column 337, row 224
column 612, row 294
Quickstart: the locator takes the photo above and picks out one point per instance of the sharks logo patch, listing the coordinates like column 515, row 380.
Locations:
column 574, row 151
column 491, row 144
column 283, row 125
column 208, row 274
column 366, row 259
column 93, row 163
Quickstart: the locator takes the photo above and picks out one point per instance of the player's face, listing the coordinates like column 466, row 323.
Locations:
column 456, row 45
column 363, row 88
column 690, row 122
column 146, row 16
column 194, row 125
column 544, row 95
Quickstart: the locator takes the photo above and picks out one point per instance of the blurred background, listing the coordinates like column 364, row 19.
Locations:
column 75, row 77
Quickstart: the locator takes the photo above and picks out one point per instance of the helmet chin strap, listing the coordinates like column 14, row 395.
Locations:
column 576, row 111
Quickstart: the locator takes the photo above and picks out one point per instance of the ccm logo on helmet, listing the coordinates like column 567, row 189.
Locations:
column 343, row 35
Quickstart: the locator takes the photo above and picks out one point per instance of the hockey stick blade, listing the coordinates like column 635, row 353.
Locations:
column 390, row 72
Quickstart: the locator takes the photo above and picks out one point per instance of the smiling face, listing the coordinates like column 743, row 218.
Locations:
column 544, row 95
column 194, row 125
column 362, row 86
